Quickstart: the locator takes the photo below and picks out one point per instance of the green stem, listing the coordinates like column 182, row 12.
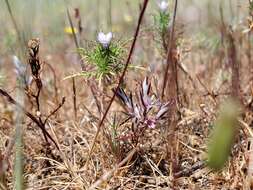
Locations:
column 19, row 165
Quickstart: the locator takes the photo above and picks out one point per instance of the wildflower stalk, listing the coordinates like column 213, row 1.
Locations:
column 145, row 3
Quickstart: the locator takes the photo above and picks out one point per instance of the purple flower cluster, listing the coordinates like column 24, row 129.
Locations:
column 147, row 111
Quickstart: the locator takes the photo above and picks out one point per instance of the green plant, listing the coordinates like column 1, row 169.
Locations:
column 103, row 62
column 223, row 136
column 161, row 20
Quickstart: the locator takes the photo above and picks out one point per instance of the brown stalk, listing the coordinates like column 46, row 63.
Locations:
column 74, row 96
column 170, row 84
column 72, row 28
column 79, row 21
column 232, row 56
column 77, row 15
column 121, row 77
column 170, row 63
column 55, row 110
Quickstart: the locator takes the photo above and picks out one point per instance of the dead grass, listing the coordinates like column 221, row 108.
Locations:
column 204, row 79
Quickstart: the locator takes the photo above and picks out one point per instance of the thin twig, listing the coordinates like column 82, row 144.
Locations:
column 28, row 114
column 74, row 35
column 55, row 110
column 37, row 97
column 72, row 28
column 74, row 97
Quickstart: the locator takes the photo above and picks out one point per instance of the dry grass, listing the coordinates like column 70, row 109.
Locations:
column 170, row 156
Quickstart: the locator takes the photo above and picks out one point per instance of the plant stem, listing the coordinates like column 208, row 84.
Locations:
column 74, row 97
column 19, row 165
column 232, row 56
column 169, row 52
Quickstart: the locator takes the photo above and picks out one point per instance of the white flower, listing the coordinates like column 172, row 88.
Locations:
column 163, row 6
column 104, row 39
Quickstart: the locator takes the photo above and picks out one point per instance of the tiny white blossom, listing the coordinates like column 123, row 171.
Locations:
column 104, row 39
column 163, row 6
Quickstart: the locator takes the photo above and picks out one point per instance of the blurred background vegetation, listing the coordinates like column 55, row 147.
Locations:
column 47, row 19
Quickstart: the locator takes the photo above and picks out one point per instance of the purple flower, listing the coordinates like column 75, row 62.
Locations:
column 146, row 111
column 151, row 123
column 104, row 39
